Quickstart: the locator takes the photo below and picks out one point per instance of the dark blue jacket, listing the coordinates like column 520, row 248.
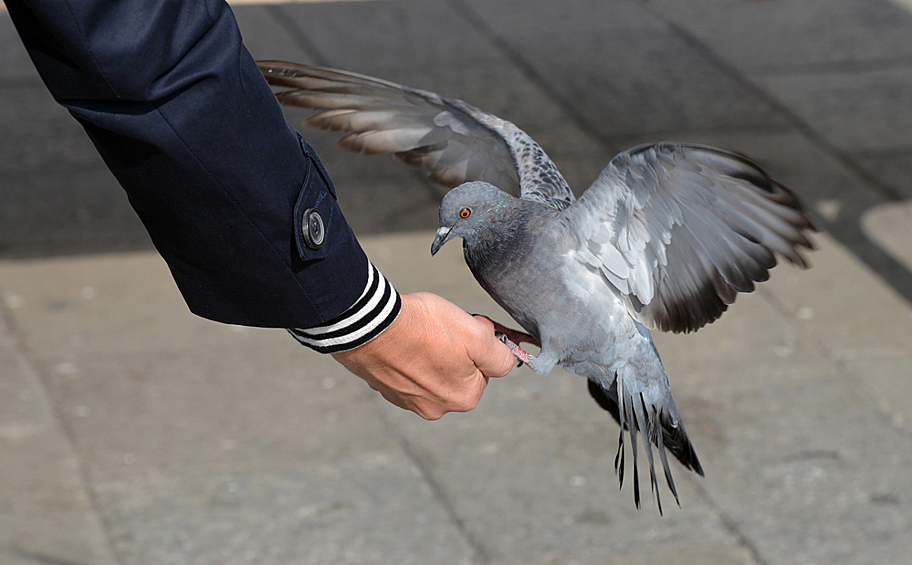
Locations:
column 181, row 115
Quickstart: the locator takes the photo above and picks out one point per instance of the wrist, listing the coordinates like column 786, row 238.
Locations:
column 371, row 315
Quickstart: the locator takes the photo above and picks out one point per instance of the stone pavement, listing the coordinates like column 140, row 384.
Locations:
column 132, row 432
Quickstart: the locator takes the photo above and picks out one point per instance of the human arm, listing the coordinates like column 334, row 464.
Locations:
column 181, row 115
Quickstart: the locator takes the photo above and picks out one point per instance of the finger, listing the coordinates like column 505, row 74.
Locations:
column 491, row 356
column 485, row 320
column 468, row 395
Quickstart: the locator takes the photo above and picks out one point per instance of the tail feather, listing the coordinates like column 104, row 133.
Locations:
column 619, row 458
column 671, row 485
column 627, row 412
column 650, row 436
column 658, row 427
column 676, row 440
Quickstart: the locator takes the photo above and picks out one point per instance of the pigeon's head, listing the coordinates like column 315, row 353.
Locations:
column 467, row 209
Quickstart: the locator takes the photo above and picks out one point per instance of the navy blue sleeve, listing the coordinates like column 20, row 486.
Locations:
column 181, row 115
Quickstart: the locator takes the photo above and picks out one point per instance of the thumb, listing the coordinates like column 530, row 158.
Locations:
column 491, row 356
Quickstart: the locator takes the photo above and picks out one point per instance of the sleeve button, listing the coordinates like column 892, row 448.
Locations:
column 313, row 228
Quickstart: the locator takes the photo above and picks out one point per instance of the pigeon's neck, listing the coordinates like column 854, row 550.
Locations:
column 503, row 241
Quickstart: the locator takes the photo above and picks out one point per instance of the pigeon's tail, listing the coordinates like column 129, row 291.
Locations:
column 636, row 415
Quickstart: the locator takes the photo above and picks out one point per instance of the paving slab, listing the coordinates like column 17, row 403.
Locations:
column 634, row 74
column 65, row 209
column 891, row 226
column 202, row 447
column 369, row 510
column 59, row 139
column 894, row 169
column 46, row 513
column 846, row 93
column 813, row 424
column 863, row 111
column 266, row 34
column 58, row 196
column 207, row 443
column 15, row 64
column 791, row 36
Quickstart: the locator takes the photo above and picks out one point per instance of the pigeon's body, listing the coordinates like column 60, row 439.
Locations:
column 523, row 254
column 665, row 237
column 505, row 257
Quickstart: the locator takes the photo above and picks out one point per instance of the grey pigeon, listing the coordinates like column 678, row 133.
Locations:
column 665, row 238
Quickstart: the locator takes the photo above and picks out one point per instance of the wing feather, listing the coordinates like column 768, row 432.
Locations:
column 451, row 141
column 695, row 226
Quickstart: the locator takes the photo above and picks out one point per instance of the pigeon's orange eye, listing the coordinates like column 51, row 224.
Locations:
column 465, row 213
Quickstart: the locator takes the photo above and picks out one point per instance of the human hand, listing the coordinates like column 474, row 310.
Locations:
column 435, row 358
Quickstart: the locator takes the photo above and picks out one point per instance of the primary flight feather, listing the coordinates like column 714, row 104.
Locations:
column 665, row 238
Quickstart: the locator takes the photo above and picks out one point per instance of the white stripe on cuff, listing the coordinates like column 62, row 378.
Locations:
column 376, row 308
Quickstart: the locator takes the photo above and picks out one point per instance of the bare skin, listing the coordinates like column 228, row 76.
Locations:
column 512, row 338
column 434, row 359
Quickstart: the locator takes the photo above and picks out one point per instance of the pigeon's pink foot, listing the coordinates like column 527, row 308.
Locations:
column 517, row 351
column 511, row 338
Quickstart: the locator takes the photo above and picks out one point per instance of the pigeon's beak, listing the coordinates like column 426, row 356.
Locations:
column 443, row 235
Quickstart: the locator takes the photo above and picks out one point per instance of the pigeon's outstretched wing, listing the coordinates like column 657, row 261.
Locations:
column 681, row 229
column 451, row 141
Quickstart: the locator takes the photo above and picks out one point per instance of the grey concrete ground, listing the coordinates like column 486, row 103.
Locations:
column 132, row 432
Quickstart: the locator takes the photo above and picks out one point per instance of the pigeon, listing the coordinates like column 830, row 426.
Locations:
column 664, row 239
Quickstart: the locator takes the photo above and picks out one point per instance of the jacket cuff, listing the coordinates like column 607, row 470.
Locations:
column 371, row 314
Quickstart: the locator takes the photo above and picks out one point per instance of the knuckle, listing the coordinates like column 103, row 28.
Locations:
column 467, row 402
column 431, row 414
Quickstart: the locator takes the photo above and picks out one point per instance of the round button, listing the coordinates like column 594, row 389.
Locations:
column 314, row 231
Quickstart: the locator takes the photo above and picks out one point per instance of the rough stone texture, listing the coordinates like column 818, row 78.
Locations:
column 46, row 511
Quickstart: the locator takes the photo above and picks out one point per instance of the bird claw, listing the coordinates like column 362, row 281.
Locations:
column 508, row 343
column 511, row 338
column 521, row 354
